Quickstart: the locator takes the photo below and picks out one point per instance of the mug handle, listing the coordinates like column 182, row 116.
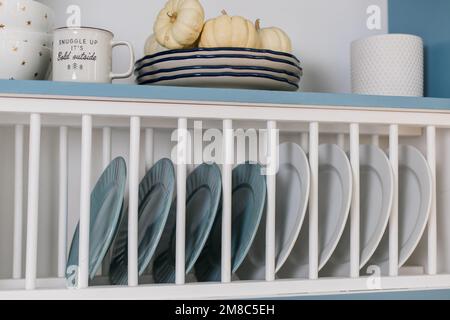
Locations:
column 132, row 60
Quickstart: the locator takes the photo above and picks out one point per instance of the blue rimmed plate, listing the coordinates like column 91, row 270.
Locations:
column 155, row 197
column 203, row 190
column 176, row 61
column 291, row 77
column 221, row 50
column 105, row 213
column 140, row 74
column 236, row 80
column 248, row 200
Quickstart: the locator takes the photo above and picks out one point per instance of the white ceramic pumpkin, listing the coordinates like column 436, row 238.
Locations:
column 227, row 31
column 179, row 24
column 152, row 46
column 273, row 39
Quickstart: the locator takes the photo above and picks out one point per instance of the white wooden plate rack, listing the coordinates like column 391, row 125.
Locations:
column 29, row 107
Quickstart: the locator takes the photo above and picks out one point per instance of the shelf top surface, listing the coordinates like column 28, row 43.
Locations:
column 207, row 95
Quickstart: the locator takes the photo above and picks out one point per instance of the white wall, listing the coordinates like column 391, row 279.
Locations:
column 321, row 30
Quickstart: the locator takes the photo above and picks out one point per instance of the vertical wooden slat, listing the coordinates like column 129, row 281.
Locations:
column 18, row 201
column 354, row 211
column 149, row 148
column 432, row 223
column 314, row 201
column 271, row 199
column 227, row 185
column 33, row 201
column 135, row 129
column 181, row 201
column 85, row 201
column 106, row 159
column 393, row 220
column 106, row 147
column 62, row 203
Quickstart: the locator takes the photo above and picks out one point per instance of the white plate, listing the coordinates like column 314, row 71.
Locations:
column 293, row 181
column 226, row 80
column 335, row 192
column 217, row 60
column 291, row 77
column 376, row 194
column 415, row 192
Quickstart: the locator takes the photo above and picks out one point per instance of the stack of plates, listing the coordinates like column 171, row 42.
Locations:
column 221, row 68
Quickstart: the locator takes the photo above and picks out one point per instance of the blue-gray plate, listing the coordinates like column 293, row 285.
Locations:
column 155, row 197
column 203, row 190
column 248, row 200
column 105, row 213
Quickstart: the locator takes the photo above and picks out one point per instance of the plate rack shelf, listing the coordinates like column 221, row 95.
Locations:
column 29, row 107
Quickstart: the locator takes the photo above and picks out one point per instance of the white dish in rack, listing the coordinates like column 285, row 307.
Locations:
column 293, row 182
column 335, row 192
column 415, row 195
column 376, row 195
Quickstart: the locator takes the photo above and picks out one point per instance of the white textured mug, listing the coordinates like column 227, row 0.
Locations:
column 84, row 54
column 390, row 64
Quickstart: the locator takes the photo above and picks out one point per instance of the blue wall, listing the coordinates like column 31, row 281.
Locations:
column 431, row 21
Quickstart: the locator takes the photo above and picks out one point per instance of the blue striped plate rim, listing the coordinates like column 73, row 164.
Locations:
column 251, row 50
column 229, row 56
column 253, row 68
column 219, row 74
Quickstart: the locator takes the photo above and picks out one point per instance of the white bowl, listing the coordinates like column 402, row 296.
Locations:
column 26, row 15
column 25, row 60
column 45, row 39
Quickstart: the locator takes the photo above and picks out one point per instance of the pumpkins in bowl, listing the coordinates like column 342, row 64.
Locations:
column 180, row 25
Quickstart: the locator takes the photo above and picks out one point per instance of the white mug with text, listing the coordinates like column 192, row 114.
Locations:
column 84, row 54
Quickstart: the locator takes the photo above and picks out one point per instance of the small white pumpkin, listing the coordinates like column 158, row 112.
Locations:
column 179, row 24
column 273, row 39
column 226, row 31
column 152, row 46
